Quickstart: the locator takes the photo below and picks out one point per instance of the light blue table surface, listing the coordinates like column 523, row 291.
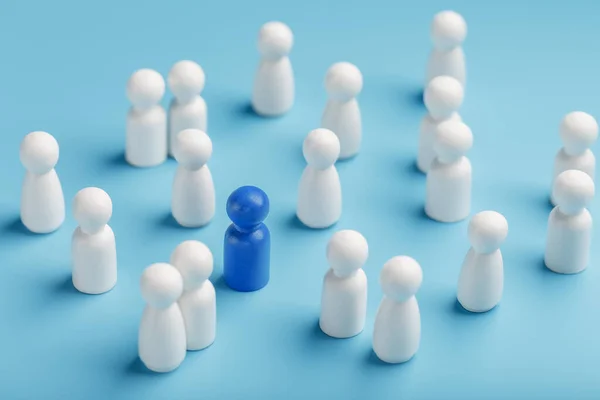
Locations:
column 63, row 69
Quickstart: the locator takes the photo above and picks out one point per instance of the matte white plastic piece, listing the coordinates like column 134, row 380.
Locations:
column 42, row 199
column 481, row 279
column 320, row 191
column 344, row 296
column 273, row 93
column 448, row 32
column 146, row 137
column 397, row 331
column 570, row 223
column 162, row 340
column 93, row 246
column 198, row 303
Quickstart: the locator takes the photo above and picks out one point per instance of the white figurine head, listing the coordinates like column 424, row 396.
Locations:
column 343, row 81
column 161, row 285
column 194, row 261
column 443, row 96
column 186, row 80
column 275, row 40
column 487, row 231
column 347, row 251
column 453, row 139
column 448, row 30
column 578, row 131
column 92, row 209
column 321, row 148
column 145, row 88
column 39, row 152
column 573, row 191
column 192, row 148
column 400, row 278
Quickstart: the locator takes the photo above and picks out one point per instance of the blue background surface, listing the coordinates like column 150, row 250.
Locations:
column 63, row 70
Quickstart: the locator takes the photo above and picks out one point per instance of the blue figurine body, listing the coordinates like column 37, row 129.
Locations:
column 247, row 251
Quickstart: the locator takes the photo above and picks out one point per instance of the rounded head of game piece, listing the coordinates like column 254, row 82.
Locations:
column 321, row 148
column 578, row 131
column 161, row 285
column 247, row 207
column 194, row 260
column 192, row 148
column 343, row 81
column 453, row 139
column 347, row 251
column 39, row 152
column 443, row 96
column 401, row 278
column 573, row 191
column 92, row 209
column 186, row 80
column 487, row 231
column 145, row 88
column 448, row 30
column 275, row 40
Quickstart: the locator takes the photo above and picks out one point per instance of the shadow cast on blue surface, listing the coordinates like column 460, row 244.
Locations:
column 137, row 367
column 245, row 110
column 294, row 223
column 64, row 286
column 15, row 227
column 117, row 160
column 371, row 359
column 411, row 169
column 415, row 97
column 317, row 334
column 168, row 221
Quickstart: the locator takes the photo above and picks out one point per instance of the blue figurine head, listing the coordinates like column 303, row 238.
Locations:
column 247, row 207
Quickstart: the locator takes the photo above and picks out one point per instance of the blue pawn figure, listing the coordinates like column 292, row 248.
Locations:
column 247, row 252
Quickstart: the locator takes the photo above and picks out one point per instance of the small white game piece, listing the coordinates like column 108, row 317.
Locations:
column 198, row 303
column 146, row 138
column 481, row 279
column 188, row 108
column 162, row 340
column 344, row 296
column 193, row 201
column 42, row 199
column 443, row 97
column 397, row 331
column 273, row 93
column 93, row 247
column 320, row 191
column 343, row 82
column 578, row 131
column 448, row 185
column 570, row 223
column 448, row 32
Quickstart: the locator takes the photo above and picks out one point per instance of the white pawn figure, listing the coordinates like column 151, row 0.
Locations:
column 146, row 137
column 570, row 223
column 193, row 201
column 481, row 279
column 198, row 303
column 273, row 93
column 343, row 82
column 344, row 297
column 578, row 131
column 448, row 32
column 42, row 199
column 397, row 331
column 161, row 340
column 188, row 108
column 320, row 191
column 443, row 97
column 93, row 246
column 448, row 185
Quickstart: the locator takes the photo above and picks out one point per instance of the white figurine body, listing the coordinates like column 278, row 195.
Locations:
column 274, row 90
column 481, row 279
column 343, row 82
column 198, row 302
column 397, row 331
column 93, row 246
column 193, row 198
column 188, row 108
column 344, row 296
column 42, row 198
column 570, row 223
column 162, row 340
column 146, row 136
column 448, row 32
column 320, row 191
